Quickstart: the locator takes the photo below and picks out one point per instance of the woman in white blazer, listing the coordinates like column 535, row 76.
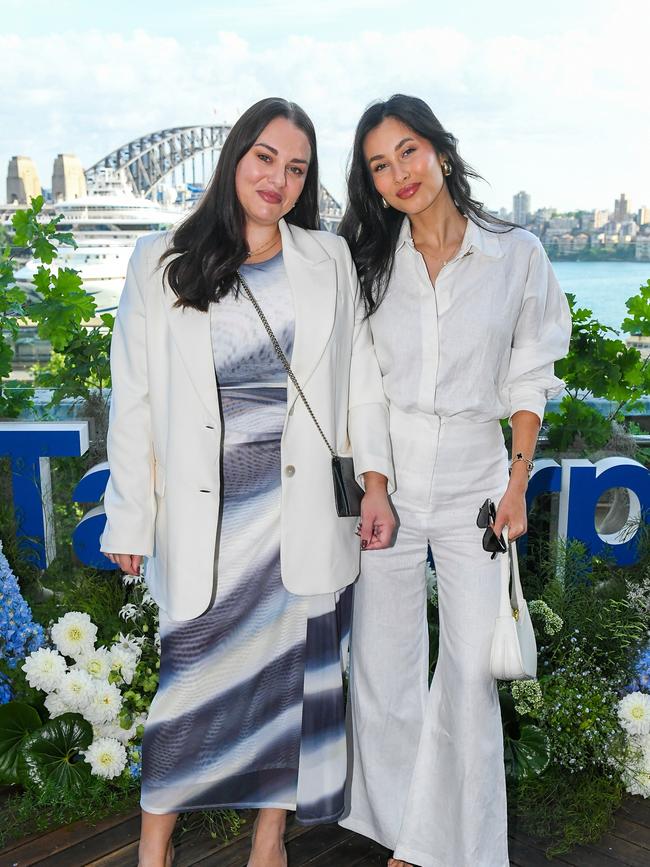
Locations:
column 485, row 320
column 222, row 483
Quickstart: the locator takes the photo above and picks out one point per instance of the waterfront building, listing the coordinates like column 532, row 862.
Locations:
column 68, row 178
column 521, row 208
column 23, row 183
column 642, row 248
column 643, row 216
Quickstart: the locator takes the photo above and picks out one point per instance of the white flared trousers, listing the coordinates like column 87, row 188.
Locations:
column 426, row 773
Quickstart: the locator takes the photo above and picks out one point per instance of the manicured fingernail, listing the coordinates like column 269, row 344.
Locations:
column 364, row 543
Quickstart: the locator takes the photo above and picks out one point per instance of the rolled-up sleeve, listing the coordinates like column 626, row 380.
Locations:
column 541, row 337
column 129, row 500
column 368, row 425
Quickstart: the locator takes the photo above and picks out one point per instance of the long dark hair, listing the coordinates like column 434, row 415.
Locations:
column 372, row 230
column 209, row 245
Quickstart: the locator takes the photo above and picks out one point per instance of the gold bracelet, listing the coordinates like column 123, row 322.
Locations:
column 520, row 457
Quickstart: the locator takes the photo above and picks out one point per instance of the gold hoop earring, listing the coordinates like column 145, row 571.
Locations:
column 384, row 203
column 445, row 165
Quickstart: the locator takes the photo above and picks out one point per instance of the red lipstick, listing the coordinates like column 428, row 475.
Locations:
column 408, row 191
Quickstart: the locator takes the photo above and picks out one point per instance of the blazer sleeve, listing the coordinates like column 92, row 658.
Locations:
column 129, row 501
column 368, row 425
column 541, row 337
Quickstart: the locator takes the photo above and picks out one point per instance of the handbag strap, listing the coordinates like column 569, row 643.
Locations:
column 511, row 598
column 283, row 358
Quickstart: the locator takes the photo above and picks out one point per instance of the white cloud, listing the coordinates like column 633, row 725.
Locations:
column 559, row 115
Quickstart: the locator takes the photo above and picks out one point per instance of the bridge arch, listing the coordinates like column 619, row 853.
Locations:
column 146, row 163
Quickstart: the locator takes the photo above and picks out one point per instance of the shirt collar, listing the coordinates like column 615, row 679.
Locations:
column 476, row 238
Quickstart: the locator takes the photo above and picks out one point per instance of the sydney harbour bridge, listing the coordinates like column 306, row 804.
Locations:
column 150, row 162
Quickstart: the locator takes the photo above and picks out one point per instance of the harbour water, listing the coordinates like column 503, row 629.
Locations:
column 603, row 287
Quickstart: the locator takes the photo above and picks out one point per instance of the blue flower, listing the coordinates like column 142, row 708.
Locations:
column 19, row 635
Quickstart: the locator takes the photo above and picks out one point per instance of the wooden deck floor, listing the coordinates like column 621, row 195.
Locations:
column 113, row 843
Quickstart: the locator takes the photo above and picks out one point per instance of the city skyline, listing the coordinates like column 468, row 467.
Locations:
column 524, row 90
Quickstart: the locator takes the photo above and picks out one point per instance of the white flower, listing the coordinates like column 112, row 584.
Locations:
column 634, row 713
column 124, row 659
column 106, row 757
column 115, row 730
column 76, row 690
column 637, row 777
column 44, row 669
column 132, row 642
column 74, row 634
column 97, row 663
column 156, row 641
column 55, row 705
column 105, row 704
column 129, row 611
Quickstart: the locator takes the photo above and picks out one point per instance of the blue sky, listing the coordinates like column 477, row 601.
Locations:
column 549, row 98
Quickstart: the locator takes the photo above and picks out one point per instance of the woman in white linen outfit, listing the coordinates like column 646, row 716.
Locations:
column 467, row 319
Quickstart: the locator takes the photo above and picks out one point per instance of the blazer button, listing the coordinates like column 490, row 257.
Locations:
column 290, row 470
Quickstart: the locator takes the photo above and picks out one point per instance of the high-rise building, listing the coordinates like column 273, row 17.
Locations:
column 520, row 208
column 621, row 209
column 68, row 179
column 601, row 217
column 22, row 181
column 643, row 216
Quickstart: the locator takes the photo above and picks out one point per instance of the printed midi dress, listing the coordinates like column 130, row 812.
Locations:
column 249, row 710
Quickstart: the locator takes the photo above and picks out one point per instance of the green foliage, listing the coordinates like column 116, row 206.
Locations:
column 83, row 366
column 17, row 720
column 34, row 810
column 599, row 364
column 61, row 310
column 566, row 809
column 53, row 753
column 527, row 749
column 577, row 421
column 638, row 307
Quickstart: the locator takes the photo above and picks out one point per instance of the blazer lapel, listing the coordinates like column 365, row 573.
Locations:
column 191, row 333
column 312, row 278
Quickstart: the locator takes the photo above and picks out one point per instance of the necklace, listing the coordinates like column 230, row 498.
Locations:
column 437, row 258
column 266, row 246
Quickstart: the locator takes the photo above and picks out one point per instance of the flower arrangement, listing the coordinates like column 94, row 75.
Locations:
column 83, row 679
column 19, row 635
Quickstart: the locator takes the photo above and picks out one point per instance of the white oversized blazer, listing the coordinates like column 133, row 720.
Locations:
column 164, row 439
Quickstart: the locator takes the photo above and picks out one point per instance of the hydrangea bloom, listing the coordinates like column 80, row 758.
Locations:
column 106, row 757
column 634, row 713
column 74, row 634
column 19, row 635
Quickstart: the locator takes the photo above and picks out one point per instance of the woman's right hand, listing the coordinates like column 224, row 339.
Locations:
column 129, row 563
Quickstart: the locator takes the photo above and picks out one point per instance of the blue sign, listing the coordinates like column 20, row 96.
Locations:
column 29, row 445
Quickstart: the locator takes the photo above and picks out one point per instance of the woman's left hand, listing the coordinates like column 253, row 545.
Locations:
column 377, row 517
column 512, row 513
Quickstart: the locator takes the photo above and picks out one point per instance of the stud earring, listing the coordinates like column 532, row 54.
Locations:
column 445, row 165
column 384, row 203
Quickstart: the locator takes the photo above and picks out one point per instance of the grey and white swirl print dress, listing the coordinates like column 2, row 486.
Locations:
column 249, row 711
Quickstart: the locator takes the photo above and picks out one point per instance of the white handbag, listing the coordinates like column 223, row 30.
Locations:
column 514, row 649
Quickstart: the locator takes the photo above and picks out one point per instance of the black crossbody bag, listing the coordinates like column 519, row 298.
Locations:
column 347, row 492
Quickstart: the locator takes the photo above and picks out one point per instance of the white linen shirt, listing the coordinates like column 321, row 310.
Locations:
column 479, row 343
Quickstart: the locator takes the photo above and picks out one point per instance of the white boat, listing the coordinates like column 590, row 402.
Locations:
column 106, row 225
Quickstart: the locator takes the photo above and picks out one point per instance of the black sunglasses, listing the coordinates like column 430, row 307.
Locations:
column 492, row 543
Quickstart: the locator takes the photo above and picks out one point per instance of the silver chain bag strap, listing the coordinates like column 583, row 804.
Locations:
column 347, row 492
